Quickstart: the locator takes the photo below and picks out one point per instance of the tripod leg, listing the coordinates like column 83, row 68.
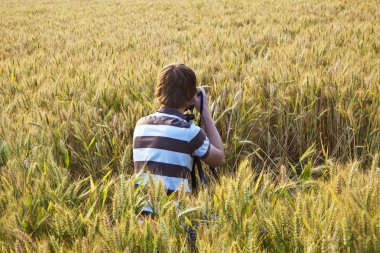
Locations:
column 193, row 178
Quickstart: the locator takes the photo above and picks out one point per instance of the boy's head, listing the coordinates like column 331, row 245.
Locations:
column 176, row 85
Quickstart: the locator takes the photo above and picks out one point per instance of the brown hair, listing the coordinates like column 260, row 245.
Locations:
column 176, row 85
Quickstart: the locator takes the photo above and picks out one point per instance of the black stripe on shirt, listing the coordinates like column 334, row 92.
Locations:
column 160, row 142
column 163, row 169
column 198, row 140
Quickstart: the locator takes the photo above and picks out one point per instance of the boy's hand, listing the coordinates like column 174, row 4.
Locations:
column 197, row 102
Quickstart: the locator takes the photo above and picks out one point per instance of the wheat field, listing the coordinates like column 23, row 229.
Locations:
column 294, row 89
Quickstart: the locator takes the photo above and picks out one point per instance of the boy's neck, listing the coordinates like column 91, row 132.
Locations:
column 181, row 110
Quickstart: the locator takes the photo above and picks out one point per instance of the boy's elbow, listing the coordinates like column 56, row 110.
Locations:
column 221, row 160
column 216, row 158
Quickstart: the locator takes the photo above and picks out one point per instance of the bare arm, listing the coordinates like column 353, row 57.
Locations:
column 216, row 154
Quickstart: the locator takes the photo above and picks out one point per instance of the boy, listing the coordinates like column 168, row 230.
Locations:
column 164, row 142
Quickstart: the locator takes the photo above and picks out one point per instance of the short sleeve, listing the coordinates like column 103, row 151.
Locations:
column 200, row 144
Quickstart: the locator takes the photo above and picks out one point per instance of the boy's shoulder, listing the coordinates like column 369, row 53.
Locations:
column 158, row 118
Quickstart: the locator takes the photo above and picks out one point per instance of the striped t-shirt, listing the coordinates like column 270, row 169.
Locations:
column 164, row 143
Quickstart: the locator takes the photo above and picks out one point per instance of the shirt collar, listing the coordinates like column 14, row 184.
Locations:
column 171, row 111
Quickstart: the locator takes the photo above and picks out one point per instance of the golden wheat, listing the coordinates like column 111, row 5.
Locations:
column 294, row 89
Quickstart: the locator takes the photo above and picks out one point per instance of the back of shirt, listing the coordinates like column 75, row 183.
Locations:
column 164, row 143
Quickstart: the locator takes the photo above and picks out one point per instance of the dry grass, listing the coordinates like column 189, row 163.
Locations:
column 293, row 84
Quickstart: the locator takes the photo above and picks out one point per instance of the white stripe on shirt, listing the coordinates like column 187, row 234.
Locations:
column 162, row 156
column 194, row 130
column 162, row 131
